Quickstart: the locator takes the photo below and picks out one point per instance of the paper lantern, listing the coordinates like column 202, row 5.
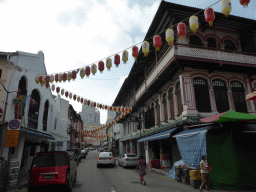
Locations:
column 73, row 76
column 37, row 79
column 226, row 7
column 110, row 108
column 244, row 3
column 109, row 63
column 66, row 93
column 62, row 91
column 60, row 77
column 47, row 85
column 78, row 99
column 209, row 16
column 40, row 79
column 101, row 66
column 56, row 78
column 94, row 104
column 106, row 107
column 100, row 106
column 169, row 36
column 74, row 97
column 51, row 78
column 85, row 101
column 87, row 71
column 88, row 102
column 82, row 73
column 194, row 23
column 69, row 76
column 82, row 100
column 57, row 89
column 181, row 29
column 47, row 79
column 145, row 48
column 70, row 95
column 44, row 79
column 125, row 56
column 135, row 52
column 117, row 60
column 53, row 87
column 157, row 41
column 64, row 77
column 94, row 69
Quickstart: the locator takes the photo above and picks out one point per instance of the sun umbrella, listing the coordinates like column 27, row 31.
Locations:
column 229, row 116
column 251, row 96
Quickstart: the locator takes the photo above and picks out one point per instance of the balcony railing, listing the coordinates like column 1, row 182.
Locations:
column 32, row 121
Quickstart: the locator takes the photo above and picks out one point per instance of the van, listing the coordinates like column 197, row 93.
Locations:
column 52, row 169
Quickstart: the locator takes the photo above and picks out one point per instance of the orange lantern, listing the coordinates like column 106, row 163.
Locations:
column 57, row 89
column 157, row 42
column 244, row 3
column 66, row 93
column 135, row 52
column 117, row 60
column 101, row 66
column 73, row 75
column 74, row 97
column 64, row 77
column 181, row 29
column 87, row 71
column 209, row 16
column 56, row 77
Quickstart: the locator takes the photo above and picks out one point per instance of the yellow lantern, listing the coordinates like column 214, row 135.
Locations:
column 103, row 106
column 82, row 73
column 62, row 91
column 193, row 23
column 69, row 76
column 98, row 105
column 125, row 56
column 94, row 69
column 70, row 95
column 37, row 79
column 85, row 101
column 44, row 79
column 145, row 48
column 53, row 87
column 109, row 63
column 51, row 78
column 169, row 36
column 226, row 7
column 78, row 99
column 60, row 77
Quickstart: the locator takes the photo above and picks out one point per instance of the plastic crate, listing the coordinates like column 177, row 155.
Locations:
column 155, row 163
column 178, row 178
column 178, row 170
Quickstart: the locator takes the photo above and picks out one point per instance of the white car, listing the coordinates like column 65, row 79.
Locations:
column 106, row 158
column 128, row 159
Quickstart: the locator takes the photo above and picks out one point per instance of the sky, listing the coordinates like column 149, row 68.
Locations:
column 77, row 33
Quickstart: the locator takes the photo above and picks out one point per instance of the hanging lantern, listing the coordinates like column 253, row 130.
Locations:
column 51, row 78
column 244, row 3
column 66, row 93
column 117, row 60
column 73, row 76
column 194, row 23
column 94, row 104
column 69, row 76
column 56, row 78
column 125, row 56
column 135, row 52
column 169, row 36
column 145, row 48
column 130, row 109
column 106, row 107
column 37, row 79
column 103, row 106
column 57, row 89
column 94, row 69
column 47, row 85
column 62, row 91
column 110, row 108
column 157, row 41
column 53, row 87
column 100, row 105
column 87, row 71
column 60, row 77
column 44, row 79
column 78, row 99
column 41, row 79
column 88, row 102
column 70, row 95
column 82, row 100
column 64, row 77
column 181, row 29
column 82, row 73
column 47, row 79
column 226, row 7
column 109, row 63
column 85, row 101
column 101, row 66
column 74, row 97
column 209, row 16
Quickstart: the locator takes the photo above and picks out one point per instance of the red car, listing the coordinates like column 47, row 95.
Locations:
column 53, row 169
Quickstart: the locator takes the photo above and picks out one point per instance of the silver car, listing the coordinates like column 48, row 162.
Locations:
column 105, row 158
column 128, row 159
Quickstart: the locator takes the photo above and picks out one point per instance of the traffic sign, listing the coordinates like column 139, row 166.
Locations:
column 14, row 125
column 12, row 139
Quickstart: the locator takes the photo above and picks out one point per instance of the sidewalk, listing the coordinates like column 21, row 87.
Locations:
column 165, row 171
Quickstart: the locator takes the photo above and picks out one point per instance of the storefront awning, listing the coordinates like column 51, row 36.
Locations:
column 36, row 133
column 192, row 132
column 161, row 135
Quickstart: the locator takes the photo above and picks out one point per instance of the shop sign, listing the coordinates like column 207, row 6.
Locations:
column 12, row 138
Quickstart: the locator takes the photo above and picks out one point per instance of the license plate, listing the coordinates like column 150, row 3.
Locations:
column 48, row 177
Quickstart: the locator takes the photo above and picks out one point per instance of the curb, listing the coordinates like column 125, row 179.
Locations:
column 156, row 171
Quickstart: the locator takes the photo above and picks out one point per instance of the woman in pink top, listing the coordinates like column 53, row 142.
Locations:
column 142, row 166
column 204, row 173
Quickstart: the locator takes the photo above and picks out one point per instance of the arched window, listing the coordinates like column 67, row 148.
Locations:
column 45, row 117
column 22, row 94
column 221, row 97
column 171, row 102
column 147, row 120
column 229, row 45
column 202, row 95
column 157, row 111
column 178, row 94
column 195, row 40
column 152, row 116
column 22, row 86
column 211, row 42
column 34, row 110
column 238, row 96
column 165, row 112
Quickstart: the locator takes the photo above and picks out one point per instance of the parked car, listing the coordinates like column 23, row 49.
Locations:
column 83, row 154
column 105, row 158
column 91, row 149
column 87, row 149
column 101, row 150
column 54, row 169
column 128, row 160
column 77, row 151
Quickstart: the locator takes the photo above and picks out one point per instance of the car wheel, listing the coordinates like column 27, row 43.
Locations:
column 113, row 165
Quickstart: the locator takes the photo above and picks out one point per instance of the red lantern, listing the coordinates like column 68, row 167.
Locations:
column 73, row 76
column 74, row 97
column 58, row 89
column 181, row 29
column 87, row 71
column 101, row 66
column 64, row 77
column 88, row 102
column 117, row 60
column 122, row 115
column 106, row 107
column 100, row 106
column 114, row 108
column 82, row 100
column 47, row 79
column 94, row 104
column 244, row 2
column 41, row 79
column 47, row 85
column 135, row 52
column 56, row 77
column 110, row 108
column 209, row 16
column 66, row 93
column 157, row 42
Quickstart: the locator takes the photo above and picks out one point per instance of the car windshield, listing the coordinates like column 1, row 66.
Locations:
column 50, row 160
column 105, row 155
column 131, row 155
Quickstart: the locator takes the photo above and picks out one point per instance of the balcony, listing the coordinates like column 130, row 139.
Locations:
column 32, row 121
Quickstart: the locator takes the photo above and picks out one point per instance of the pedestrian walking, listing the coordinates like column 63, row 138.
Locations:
column 204, row 173
column 142, row 169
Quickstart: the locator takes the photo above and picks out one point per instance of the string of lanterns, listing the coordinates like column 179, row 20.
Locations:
column 93, row 136
column 157, row 42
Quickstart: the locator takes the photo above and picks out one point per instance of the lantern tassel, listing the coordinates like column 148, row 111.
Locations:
column 211, row 23
column 145, row 54
column 157, row 49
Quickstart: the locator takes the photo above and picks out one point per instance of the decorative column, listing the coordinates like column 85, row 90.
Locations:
column 212, row 99
column 175, row 101
column 249, row 106
column 161, row 111
column 230, row 99
column 168, row 105
column 249, row 102
column 155, row 113
column 40, row 116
